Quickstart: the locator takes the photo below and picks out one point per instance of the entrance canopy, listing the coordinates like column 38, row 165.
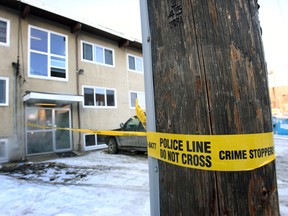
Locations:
column 50, row 99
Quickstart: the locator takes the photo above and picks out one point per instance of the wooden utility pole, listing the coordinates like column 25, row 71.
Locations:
column 210, row 78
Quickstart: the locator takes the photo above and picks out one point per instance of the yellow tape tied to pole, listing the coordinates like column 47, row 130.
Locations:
column 213, row 152
column 239, row 152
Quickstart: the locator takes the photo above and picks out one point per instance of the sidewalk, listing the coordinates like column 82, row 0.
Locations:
column 280, row 137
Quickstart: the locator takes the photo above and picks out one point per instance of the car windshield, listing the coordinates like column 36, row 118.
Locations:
column 132, row 124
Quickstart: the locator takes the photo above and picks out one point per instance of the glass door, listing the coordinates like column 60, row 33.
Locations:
column 62, row 137
column 40, row 137
column 43, row 138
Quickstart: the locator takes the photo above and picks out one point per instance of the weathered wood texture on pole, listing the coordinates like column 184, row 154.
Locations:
column 210, row 78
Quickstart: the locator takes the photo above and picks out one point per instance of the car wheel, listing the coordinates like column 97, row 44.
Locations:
column 112, row 146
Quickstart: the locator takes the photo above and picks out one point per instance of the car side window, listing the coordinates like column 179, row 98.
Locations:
column 140, row 127
column 132, row 124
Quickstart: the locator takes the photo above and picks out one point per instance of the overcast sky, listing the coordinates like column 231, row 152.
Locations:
column 124, row 16
column 274, row 21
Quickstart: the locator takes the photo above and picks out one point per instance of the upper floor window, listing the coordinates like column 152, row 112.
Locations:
column 99, row 97
column 141, row 99
column 135, row 63
column 48, row 54
column 4, row 86
column 97, row 54
column 4, row 31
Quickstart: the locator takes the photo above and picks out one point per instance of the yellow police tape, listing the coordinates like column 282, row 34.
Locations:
column 240, row 152
column 213, row 152
column 89, row 131
column 140, row 113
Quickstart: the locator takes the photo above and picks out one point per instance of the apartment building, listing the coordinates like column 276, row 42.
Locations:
column 57, row 71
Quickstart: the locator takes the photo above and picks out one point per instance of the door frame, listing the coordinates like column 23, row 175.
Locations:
column 54, row 131
column 53, row 109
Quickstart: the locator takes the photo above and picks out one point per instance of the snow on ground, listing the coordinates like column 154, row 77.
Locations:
column 281, row 148
column 97, row 184
column 117, row 185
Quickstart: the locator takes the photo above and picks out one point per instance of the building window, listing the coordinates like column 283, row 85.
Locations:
column 141, row 99
column 48, row 54
column 99, row 97
column 4, row 86
column 94, row 141
column 97, row 54
column 135, row 63
column 4, row 32
column 3, row 150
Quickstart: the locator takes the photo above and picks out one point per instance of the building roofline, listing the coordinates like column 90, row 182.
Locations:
column 35, row 8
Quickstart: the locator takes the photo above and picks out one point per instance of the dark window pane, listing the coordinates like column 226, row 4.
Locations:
column 108, row 57
column 58, row 45
column 39, row 40
column 58, row 72
column 100, row 139
column 110, row 98
column 100, row 97
column 87, row 52
column 90, row 140
column 88, row 96
column 58, row 67
column 3, row 32
column 38, row 64
column 131, row 62
column 2, row 91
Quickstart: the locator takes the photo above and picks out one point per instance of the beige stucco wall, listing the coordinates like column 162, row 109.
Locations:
column 6, row 70
column 11, row 127
column 117, row 77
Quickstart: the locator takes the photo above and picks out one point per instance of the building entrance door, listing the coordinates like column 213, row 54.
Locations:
column 62, row 137
column 44, row 138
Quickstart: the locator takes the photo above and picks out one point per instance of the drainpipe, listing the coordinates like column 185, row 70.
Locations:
column 16, row 72
column 78, row 72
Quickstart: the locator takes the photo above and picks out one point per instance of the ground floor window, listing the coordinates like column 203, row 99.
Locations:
column 3, row 150
column 4, row 86
column 94, row 141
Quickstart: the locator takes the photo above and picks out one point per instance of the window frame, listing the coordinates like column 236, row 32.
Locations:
column 6, row 92
column 137, row 93
column 135, row 57
column 5, row 157
column 7, row 32
column 94, row 61
column 50, row 56
column 96, row 144
column 94, row 98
